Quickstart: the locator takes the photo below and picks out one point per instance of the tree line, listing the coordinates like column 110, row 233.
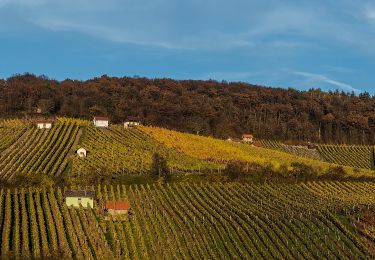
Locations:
column 220, row 109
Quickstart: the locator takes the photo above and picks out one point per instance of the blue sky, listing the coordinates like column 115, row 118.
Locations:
column 302, row 44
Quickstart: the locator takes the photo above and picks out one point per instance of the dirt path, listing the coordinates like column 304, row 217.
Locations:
column 71, row 151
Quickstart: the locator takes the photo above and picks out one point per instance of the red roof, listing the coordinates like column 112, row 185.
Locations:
column 118, row 205
column 247, row 136
column 103, row 118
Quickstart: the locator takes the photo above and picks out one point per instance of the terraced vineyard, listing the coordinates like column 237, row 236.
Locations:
column 355, row 156
column 190, row 221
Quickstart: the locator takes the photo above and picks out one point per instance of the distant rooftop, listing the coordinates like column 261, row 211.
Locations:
column 79, row 193
column 104, row 118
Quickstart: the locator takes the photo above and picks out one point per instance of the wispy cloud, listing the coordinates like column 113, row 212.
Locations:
column 193, row 25
column 318, row 79
column 370, row 13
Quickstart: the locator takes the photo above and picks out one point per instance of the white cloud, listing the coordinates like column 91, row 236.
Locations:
column 318, row 79
column 370, row 13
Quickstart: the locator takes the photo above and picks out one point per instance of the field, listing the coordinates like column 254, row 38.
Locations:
column 191, row 221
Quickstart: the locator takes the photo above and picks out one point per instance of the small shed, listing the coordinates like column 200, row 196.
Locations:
column 117, row 207
column 101, row 121
column 247, row 138
column 131, row 121
column 76, row 198
column 44, row 123
column 82, row 152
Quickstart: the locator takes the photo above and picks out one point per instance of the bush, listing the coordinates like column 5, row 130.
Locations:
column 334, row 173
column 233, row 170
column 301, row 171
column 159, row 168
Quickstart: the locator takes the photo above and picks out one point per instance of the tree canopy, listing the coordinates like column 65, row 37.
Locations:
column 207, row 107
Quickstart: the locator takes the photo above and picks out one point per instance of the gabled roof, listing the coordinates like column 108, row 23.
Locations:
column 117, row 205
column 102, row 118
column 79, row 193
column 247, row 136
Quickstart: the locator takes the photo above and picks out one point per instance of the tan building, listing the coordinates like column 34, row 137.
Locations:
column 75, row 198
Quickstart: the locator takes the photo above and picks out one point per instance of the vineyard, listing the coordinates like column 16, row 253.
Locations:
column 190, row 221
column 117, row 151
column 28, row 151
column 292, row 149
column 182, row 219
column 355, row 156
column 220, row 151
column 33, row 151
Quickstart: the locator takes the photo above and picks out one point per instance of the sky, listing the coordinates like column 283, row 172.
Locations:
column 303, row 44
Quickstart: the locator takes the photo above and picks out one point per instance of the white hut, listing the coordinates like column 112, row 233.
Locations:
column 75, row 198
column 82, row 152
column 101, row 121
column 44, row 123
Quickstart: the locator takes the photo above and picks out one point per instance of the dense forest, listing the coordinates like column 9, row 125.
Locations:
column 220, row 109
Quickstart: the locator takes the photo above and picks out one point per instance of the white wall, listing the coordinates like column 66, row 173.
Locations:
column 101, row 123
column 129, row 124
column 44, row 125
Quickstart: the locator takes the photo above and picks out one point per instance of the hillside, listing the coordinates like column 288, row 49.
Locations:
column 281, row 206
column 27, row 152
column 221, row 151
column 220, row 109
column 358, row 156
column 192, row 221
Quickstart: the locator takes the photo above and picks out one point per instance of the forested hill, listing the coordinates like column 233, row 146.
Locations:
column 206, row 107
